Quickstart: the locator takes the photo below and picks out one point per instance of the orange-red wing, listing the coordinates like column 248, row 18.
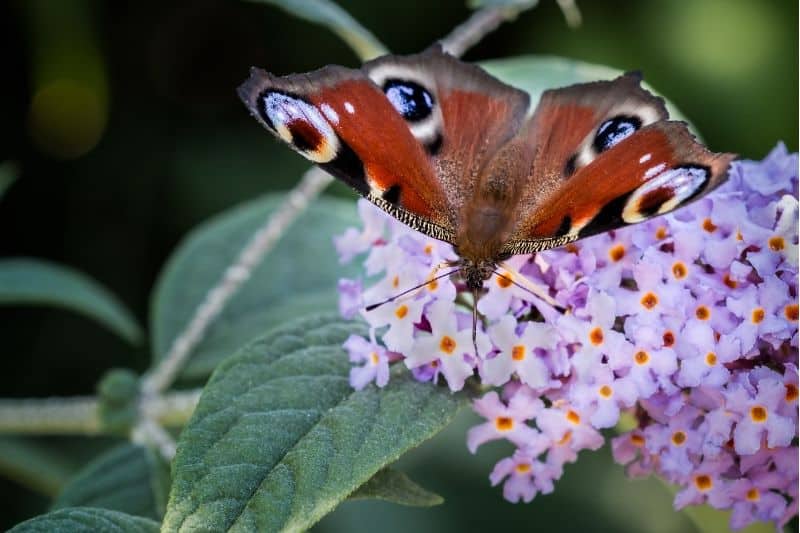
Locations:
column 339, row 119
column 650, row 172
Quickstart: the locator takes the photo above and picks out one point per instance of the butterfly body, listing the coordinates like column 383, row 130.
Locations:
column 453, row 152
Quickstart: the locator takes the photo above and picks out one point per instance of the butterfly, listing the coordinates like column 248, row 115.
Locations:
column 453, row 152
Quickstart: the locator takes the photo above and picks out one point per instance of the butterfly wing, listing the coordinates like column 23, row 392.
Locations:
column 394, row 130
column 605, row 156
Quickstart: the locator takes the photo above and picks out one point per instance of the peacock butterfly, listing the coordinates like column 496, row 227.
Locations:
column 449, row 150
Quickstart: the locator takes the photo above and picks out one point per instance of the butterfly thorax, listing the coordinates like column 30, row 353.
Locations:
column 486, row 221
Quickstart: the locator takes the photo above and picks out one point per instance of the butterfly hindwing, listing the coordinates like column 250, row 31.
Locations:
column 606, row 157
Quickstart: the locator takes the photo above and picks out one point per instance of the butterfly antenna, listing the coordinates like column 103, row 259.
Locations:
column 412, row 289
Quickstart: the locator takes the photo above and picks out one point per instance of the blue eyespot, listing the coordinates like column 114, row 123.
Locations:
column 614, row 130
column 410, row 99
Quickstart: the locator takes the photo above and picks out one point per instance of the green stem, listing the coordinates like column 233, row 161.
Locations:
column 74, row 415
column 80, row 416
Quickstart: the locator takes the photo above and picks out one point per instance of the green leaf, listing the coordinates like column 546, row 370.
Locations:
column 26, row 281
column 129, row 478
column 279, row 438
column 86, row 520
column 34, row 464
column 396, row 487
column 339, row 21
column 536, row 74
column 8, row 175
column 296, row 277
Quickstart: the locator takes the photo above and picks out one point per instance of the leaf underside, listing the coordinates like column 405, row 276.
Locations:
column 295, row 278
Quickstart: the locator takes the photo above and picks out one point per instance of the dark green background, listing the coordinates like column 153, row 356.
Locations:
column 155, row 141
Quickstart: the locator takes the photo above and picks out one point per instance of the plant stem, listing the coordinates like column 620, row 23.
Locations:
column 479, row 25
column 79, row 415
column 53, row 415
column 159, row 379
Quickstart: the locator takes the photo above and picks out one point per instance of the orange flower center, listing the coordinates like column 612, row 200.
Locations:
column 753, row 495
column 678, row 438
column 637, row 440
column 791, row 312
column 565, row 439
column 711, row 359
column 776, row 244
column 679, row 270
column 758, row 315
column 729, row 281
column 428, row 249
column 523, row 468
column 791, row 392
column 396, row 282
column 641, row 357
column 709, row 226
column 649, row 301
column 758, row 414
column 606, row 391
column 504, row 281
column 447, row 344
column 518, row 352
column 432, row 285
column 596, row 336
column 573, row 417
column 374, row 358
column 703, row 482
column 504, row 423
column 661, row 232
column 617, row 252
column 702, row 312
column 401, row 312
column 669, row 339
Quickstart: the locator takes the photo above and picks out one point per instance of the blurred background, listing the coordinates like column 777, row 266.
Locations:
column 123, row 122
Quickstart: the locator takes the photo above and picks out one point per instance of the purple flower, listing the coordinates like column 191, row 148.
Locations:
column 688, row 323
column 505, row 421
column 520, row 353
column 450, row 346
column 759, row 417
column 524, row 476
column 376, row 362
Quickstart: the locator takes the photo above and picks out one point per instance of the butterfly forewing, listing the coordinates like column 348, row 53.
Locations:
column 339, row 119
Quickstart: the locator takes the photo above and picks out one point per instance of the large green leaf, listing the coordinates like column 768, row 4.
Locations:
column 279, row 438
column 86, row 520
column 536, row 74
column 26, row 281
column 298, row 276
column 129, row 478
column 339, row 21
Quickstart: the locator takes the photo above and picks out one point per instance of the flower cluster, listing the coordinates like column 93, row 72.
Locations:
column 685, row 325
